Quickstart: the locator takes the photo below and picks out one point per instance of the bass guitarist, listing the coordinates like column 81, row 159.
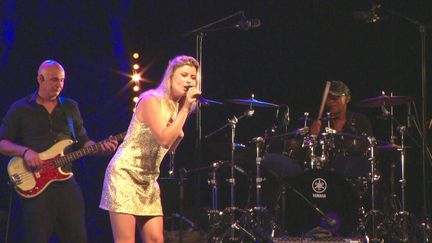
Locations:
column 32, row 125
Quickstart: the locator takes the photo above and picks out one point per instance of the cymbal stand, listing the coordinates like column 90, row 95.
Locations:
column 260, row 210
column 233, row 122
column 231, row 210
column 171, row 169
column 258, row 141
column 402, row 228
column 376, row 226
column 391, row 114
column 213, row 184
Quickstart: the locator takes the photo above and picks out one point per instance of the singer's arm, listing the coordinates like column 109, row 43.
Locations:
column 176, row 142
column 149, row 111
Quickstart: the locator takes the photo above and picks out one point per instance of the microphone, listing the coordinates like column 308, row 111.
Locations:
column 246, row 24
column 199, row 97
column 368, row 16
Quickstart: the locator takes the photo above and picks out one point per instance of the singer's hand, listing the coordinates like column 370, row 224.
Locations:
column 191, row 97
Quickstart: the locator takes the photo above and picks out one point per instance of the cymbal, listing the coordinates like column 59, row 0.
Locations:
column 210, row 102
column 384, row 100
column 389, row 146
column 252, row 102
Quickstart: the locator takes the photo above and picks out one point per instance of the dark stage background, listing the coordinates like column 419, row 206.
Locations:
column 299, row 45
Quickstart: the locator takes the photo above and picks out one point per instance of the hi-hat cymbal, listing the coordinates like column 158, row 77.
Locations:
column 384, row 100
column 252, row 102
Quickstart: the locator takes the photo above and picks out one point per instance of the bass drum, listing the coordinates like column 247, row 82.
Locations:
column 329, row 192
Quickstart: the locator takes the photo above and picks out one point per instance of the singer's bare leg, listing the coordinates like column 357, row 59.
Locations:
column 151, row 229
column 123, row 227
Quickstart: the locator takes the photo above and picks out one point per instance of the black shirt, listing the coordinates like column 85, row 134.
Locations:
column 357, row 124
column 29, row 124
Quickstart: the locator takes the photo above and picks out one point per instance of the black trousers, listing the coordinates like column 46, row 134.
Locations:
column 59, row 211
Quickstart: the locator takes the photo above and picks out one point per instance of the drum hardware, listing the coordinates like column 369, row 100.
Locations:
column 384, row 100
column 402, row 229
column 171, row 166
column 230, row 211
column 319, row 157
column 256, row 223
column 214, row 188
column 374, row 220
column 261, row 213
column 326, row 219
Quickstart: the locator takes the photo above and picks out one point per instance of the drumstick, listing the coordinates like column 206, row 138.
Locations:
column 324, row 99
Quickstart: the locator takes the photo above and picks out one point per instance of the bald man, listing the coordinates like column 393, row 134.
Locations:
column 33, row 125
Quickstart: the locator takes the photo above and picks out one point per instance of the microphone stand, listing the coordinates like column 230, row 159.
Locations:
column 426, row 224
column 199, row 56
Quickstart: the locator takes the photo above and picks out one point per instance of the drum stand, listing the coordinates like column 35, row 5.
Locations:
column 261, row 224
column 215, row 234
column 372, row 222
column 403, row 221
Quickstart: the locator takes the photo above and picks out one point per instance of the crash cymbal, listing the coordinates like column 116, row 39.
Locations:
column 384, row 100
column 252, row 102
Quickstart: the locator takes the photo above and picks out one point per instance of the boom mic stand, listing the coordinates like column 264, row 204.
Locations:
column 199, row 56
column 426, row 225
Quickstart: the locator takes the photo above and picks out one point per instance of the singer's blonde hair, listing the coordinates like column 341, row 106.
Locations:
column 164, row 88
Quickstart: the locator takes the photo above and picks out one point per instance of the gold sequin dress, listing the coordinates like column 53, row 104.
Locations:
column 130, row 184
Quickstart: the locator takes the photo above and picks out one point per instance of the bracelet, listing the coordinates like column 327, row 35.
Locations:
column 25, row 151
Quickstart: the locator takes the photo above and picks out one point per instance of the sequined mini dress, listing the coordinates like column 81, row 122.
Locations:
column 130, row 184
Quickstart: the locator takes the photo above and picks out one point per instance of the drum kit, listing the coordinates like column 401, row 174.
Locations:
column 328, row 184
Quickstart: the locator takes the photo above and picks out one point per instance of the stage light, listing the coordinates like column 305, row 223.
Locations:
column 135, row 99
column 136, row 77
column 136, row 88
column 136, row 66
column 135, row 55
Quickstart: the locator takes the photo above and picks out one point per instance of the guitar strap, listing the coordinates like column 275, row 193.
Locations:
column 68, row 118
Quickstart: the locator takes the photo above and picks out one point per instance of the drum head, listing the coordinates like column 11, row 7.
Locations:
column 349, row 157
column 285, row 156
column 332, row 194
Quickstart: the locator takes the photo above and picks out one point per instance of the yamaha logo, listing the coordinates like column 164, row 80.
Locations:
column 319, row 186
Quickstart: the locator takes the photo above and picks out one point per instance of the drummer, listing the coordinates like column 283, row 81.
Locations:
column 342, row 120
column 348, row 156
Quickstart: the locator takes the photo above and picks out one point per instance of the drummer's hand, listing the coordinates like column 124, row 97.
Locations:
column 316, row 127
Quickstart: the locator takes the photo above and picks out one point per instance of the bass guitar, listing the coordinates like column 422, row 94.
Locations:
column 28, row 183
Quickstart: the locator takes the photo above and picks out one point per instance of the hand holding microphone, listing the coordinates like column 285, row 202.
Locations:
column 197, row 95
